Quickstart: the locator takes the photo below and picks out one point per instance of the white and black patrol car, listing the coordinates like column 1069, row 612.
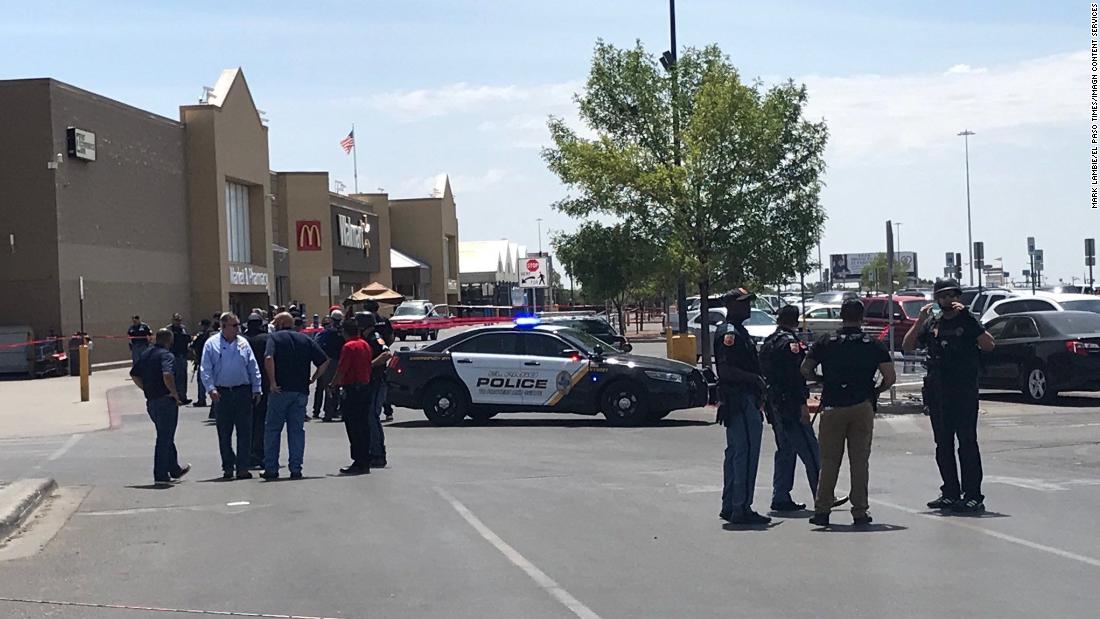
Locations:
column 530, row 367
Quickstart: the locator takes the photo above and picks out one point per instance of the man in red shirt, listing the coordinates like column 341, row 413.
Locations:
column 353, row 374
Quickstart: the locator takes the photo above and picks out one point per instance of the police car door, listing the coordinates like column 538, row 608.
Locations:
column 491, row 367
column 558, row 365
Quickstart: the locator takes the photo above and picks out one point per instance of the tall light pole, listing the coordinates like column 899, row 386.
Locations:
column 966, row 133
column 668, row 61
column 539, row 222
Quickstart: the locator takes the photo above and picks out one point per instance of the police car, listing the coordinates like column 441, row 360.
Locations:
column 533, row 367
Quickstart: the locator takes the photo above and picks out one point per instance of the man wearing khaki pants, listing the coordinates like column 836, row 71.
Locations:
column 849, row 360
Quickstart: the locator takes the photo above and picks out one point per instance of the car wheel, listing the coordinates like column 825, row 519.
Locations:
column 432, row 335
column 401, row 336
column 445, row 403
column 623, row 403
column 480, row 415
column 1036, row 387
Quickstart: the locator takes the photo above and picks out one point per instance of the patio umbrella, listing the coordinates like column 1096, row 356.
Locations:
column 376, row 292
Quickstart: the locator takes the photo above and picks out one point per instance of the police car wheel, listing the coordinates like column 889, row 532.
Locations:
column 623, row 404
column 1036, row 386
column 445, row 403
column 401, row 336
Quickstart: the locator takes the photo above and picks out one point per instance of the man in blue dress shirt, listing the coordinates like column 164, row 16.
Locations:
column 231, row 376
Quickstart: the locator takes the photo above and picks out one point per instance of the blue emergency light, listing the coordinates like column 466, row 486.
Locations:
column 526, row 322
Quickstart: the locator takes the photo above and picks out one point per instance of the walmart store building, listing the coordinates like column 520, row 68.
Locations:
column 160, row 215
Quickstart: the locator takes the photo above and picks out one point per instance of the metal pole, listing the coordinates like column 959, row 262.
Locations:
column 355, row 158
column 966, row 133
column 1031, row 255
column 820, row 269
column 539, row 222
column 681, row 280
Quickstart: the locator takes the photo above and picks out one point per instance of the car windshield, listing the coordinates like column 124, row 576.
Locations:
column 409, row 310
column 1084, row 305
column 758, row 317
column 912, row 308
column 585, row 342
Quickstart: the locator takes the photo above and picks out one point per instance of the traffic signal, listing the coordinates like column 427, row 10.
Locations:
column 958, row 267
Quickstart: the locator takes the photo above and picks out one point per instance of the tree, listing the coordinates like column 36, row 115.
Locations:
column 876, row 274
column 610, row 262
column 743, row 206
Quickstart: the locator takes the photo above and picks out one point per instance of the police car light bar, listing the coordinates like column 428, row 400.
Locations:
column 527, row 321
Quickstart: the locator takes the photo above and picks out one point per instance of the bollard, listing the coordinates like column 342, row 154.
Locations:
column 668, row 343
column 84, row 388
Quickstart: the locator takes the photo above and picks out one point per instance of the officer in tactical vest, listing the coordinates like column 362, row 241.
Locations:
column 781, row 358
column 849, row 360
column 953, row 341
column 740, row 388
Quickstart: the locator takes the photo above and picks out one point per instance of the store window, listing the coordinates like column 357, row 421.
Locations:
column 237, row 215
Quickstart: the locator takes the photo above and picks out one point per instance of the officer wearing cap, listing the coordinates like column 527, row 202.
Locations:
column 257, row 335
column 781, row 357
column 953, row 341
column 741, row 387
column 849, row 360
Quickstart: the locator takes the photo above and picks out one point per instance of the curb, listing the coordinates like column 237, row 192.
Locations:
column 18, row 501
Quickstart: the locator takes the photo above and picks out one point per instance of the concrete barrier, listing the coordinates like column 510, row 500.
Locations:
column 18, row 501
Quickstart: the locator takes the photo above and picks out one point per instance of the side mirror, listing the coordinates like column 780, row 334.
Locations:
column 899, row 315
column 598, row 350
column 627, row 347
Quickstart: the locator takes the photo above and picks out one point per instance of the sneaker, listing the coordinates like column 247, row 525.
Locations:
column 862, row 521
column 725, row 516
column 756, row 518
column 296, row 475
column 354, row 469
column 788, row 506
column 379, row 463
column 820, row 520
column 269, row 475
column 185, row 469
column 227, row 475
column 944, row 502
column 969, row 506
column 185, row 401
column 244, row 475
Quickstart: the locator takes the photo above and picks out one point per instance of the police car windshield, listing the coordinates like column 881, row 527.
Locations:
column 585, row 342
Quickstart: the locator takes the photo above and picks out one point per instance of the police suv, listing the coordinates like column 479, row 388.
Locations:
column 532, row 367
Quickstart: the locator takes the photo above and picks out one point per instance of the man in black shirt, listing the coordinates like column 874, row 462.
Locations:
column 181, row 341
column 154, row 374
column 781, row 357
column 380, row 355
column 740, row 388
column 196, row 354
column 287, row 365
column 953, row 341
column 849, row 360
column 331, row 341
column 138, row 334
column 256, row 334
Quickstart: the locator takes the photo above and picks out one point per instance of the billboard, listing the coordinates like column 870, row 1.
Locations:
column 849, row 267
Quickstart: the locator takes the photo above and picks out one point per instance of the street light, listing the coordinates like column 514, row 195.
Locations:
column 966, row 133
column 539, row 221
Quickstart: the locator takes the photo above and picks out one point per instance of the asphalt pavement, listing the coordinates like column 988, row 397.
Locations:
column 553, row 516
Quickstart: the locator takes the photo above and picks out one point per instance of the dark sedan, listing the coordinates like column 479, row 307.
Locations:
column 1042, row 353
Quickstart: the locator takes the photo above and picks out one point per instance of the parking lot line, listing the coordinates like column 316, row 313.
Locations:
column 1065, row 554
column 537, row 575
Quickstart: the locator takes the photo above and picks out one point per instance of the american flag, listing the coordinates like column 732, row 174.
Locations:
column 349, row 142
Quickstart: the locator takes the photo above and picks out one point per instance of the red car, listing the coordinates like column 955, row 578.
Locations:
column 876, row 316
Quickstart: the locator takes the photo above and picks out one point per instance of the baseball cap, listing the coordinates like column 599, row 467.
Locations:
column 851, row 309
column 946, row 285
column 255, row 317
column 336, row 314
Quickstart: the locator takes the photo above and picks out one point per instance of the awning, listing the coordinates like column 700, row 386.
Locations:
column 376, row 292
column 399, row 260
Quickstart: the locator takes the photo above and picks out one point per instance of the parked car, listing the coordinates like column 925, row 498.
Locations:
column 924, row 293
column 694, row 304
column 760, row 325
column 414, row 318
column 820, row 318
column 979, row 301
column 1042, row 302
column 596, row 326
column 834, row 297
column 1042, row 353
column 876, row 316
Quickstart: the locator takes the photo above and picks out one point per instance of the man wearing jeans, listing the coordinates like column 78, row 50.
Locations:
column 231, row 377
column 154, row 374
column 287, row 363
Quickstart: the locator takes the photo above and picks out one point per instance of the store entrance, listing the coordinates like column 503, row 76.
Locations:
column 242, row 303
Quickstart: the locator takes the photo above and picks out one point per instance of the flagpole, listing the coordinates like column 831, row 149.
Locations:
column 355, row 158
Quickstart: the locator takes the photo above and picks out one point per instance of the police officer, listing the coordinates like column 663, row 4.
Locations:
column 849, row 360
column 196, row 354
column 953, row 341
column 138, row 334
column 331, row 341
column 256, row 334
column 181, row 342
column 781, row 357
column 380, row 355
column 154, row 375
column 741, row 387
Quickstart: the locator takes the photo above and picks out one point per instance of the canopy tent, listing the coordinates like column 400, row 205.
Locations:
column 375, row 292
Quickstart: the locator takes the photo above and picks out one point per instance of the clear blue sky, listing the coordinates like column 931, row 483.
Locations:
column 463, row 87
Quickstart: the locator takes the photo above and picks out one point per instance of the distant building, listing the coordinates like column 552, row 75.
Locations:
column 488, row 271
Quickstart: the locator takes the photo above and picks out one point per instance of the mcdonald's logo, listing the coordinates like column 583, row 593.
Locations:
column 309, row 235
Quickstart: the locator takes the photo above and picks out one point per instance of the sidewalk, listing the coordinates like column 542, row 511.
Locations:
column 52, row 406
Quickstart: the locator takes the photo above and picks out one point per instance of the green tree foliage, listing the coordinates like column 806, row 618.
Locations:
column 876, row 274
column 743, row 206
